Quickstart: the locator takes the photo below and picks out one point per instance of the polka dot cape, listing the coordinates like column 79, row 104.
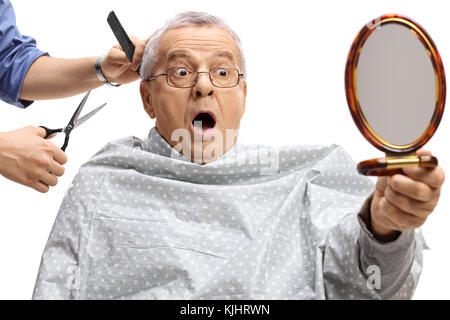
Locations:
column 141, row 221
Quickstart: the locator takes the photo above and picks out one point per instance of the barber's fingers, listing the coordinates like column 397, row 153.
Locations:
column 41, row 180
column 30, row 159
column 41, row 132
column 57, row 169
column 52, row 136
column 49, row 179
column 116, row 56
column 138, row 52
column 38, row 186
column 57, row 154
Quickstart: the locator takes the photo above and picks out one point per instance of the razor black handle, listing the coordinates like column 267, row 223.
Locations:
column 121, row 36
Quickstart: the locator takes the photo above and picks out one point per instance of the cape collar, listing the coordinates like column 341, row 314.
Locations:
column 155, row 143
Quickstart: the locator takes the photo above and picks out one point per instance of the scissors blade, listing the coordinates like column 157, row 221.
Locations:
column 75, row 116
column 88, row 116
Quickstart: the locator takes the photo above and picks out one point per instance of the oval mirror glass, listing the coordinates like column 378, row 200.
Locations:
column 395, row 84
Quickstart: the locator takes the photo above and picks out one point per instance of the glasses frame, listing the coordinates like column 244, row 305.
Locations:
column 196, row 76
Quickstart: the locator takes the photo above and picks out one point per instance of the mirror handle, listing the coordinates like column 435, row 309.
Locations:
column 389, row 167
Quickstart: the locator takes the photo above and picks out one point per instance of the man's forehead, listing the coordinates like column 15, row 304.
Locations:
column 184, row 42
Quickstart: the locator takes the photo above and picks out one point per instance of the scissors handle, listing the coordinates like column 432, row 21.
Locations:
column 49, row 132
column 66, row 142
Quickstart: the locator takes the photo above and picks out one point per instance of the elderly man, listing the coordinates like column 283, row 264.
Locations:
column 189, row 213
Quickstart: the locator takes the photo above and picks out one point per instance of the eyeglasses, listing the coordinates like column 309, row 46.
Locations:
column 185, row 77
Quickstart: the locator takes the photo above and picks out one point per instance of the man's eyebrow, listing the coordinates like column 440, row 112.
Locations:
column 184, row 54
column 225, row 54
column 178, row 54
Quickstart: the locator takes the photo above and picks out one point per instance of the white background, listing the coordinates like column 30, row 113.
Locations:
column 296, row 53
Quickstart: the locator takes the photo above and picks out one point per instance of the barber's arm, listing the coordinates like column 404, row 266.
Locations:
column 52, row 78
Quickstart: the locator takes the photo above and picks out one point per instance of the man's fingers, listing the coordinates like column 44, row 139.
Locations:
column 423, row 152
column 381, row 184
column 399, row 219
column 433, row 177
column 415, row 207
column 410, row 188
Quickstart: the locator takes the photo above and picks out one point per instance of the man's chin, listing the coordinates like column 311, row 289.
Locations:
column 202, row 146
column 207, row 151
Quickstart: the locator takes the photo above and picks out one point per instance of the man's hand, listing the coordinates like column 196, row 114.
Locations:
column 29, row 159
column 404, row 202
column 117, row 68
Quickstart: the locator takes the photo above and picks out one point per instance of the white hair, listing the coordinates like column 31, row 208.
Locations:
column 184, row 19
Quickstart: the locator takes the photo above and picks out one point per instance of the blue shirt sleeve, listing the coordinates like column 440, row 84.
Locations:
column 17, row 53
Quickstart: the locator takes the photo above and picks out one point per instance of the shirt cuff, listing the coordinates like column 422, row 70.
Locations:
column 404, row 239
column 393, row 258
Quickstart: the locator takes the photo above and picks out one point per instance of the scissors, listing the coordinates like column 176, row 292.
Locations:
column 74, row 121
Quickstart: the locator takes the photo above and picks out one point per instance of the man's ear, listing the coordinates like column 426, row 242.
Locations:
column 244, row 88
column 146, row 97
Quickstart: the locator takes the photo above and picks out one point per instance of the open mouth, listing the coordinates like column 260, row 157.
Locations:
column 204, row 120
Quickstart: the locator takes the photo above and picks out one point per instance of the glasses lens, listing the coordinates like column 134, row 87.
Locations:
column 224, row 76
column 180, row 77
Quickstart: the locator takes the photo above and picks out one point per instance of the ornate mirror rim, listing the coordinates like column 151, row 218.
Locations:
column 352, row 96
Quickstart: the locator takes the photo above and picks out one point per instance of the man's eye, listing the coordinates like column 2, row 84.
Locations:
column 181, row 72
column 222, row 72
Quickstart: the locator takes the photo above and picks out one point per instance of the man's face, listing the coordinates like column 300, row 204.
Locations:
column 199, row 48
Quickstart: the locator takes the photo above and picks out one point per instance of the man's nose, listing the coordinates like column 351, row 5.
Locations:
column 203, row 87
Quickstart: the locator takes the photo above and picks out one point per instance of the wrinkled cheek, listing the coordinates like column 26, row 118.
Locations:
column 232, row 118
column 174, row 106
column 238, row 110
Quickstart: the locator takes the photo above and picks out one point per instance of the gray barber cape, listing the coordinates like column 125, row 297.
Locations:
column 141, row 221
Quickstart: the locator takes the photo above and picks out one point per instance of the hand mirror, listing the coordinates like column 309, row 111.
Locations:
column 395, row 87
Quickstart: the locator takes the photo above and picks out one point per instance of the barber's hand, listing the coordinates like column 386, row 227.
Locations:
column 404, row 201
column 29, row 159
column 117, row 68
